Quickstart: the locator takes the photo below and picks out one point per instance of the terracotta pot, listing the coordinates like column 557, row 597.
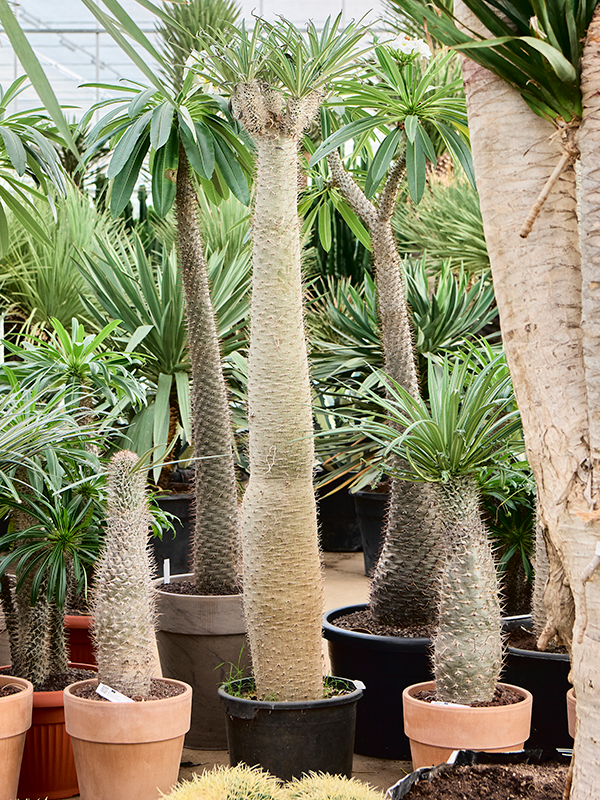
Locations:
column 48, row 767
column 436, row 730
column 15, row 720
column 199, row 638
column 127, row 751
column 572, row 711
column 79, row 639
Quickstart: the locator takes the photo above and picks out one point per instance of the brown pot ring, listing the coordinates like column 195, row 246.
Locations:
column 127, row 751
column 15, row 720
column 435, row 731
column 199, row 637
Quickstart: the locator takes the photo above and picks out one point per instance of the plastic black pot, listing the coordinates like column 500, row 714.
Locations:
column 290, row 739
column 545, row 676
column 176, row 547
column 338, row 523
column 370, row 512
column 466, row 758
column 386, row 665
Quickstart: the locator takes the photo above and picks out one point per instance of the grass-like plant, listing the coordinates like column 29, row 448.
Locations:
column 469, row 424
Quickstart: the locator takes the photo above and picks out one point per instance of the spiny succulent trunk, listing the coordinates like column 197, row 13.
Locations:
column 35, row 640
column 216, row 531
column 283, row 594
column 404, row 586
column 11, row 619
column 123, row 601
column 468, row 642
column 59, row 660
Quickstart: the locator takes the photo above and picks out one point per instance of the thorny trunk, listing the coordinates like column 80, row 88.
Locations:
column 404, row 586
column 283, row 592
column 216, row 531
column 549, row 322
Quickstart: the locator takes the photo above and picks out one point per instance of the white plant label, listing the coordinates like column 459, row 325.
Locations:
column 167, row 570
column 111, row 694
column 454, row 705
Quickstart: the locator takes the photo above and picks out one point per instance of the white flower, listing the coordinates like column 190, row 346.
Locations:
column 406, row 46
column 198, row 81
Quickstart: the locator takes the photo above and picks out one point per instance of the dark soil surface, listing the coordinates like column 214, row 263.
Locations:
column 10, row 688
column 363, row 622
column 494, row 782
column 502, row 697
column 186, row 587
column 60, row 680
column 160, row 690
column 525, row 639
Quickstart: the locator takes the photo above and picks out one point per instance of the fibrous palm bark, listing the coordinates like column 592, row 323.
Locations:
column 283, row 594
column 404, row 586
column 216, row 531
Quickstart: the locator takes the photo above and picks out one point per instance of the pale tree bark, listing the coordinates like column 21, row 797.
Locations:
column 404, row 586
column 538, row 286
column 283, row 591
column 216, row 528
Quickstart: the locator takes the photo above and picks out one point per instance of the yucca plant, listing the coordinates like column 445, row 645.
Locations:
column 469, row 424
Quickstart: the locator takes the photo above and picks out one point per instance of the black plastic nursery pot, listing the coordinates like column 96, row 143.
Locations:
column 290, row 739
column 175, row 545
column 545, row 675
column 338, row 524
column 467, row 758
column 386, row 665
column 370, row 512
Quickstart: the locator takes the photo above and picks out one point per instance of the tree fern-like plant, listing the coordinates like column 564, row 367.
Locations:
column 470, row 423
column 123, row 598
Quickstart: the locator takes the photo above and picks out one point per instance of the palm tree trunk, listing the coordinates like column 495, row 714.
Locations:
column 283, row 592
column 403, row 590
column 216, row 531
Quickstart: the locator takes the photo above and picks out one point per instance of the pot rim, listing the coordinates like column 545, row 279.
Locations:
column 291, row 705
column 334, row 634
column 526, row 620
column 408, row 696
column 183, row 576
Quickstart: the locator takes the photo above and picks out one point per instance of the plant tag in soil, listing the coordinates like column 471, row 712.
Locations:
column 111, row 694
column 454, row 705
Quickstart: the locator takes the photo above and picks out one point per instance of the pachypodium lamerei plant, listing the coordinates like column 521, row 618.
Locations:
column 401, row 101
column 191, row 139
column 123, row 604
column 471, row 422
column 277, row 78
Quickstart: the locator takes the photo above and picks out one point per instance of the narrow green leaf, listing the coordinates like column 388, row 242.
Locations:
column 3, row 231
column 160, row 431
column 231, row 171
column 415, row 169
column 163, row 188
column 426, row 144
column 350, row 131
column 410, row 126
column 127, row 144
column 15, row 150
column 563, row 68
column 354, row 223
column 160, row 127
column 35, row 73
column 124, row 182
column 139, row 336
column 138, row 102
column 381, row 161
column 325, row 226
column 23, row 216
column 182, row 381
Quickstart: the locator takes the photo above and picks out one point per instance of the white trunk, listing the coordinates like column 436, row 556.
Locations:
column 283, row 594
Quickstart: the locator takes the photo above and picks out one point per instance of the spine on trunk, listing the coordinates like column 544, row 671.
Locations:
column 123, row 601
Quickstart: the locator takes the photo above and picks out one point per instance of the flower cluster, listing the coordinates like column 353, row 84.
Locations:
column 406, row 49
